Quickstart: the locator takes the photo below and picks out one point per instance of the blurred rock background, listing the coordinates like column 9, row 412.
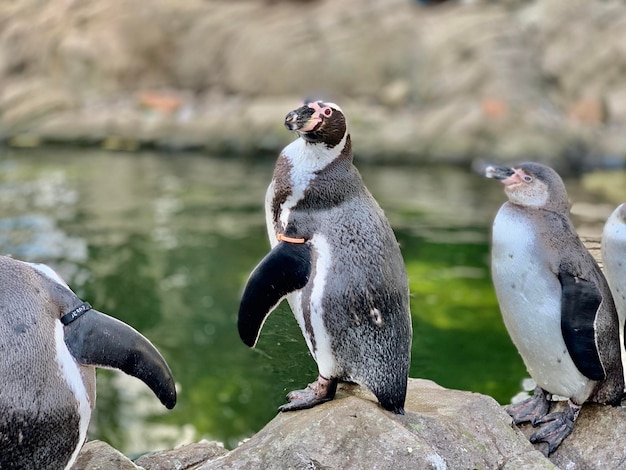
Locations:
column 451, row 81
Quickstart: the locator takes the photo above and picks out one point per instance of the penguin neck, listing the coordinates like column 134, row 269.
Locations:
column 307, row 158
column 554, row 211
column 299, row 165
column 304, row 161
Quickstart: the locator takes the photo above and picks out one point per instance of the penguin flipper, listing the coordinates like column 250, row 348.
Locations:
column 100, row 340
column 285, row 269
column 580, row 300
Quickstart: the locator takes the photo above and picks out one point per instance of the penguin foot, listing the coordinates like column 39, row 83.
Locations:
column 532, row 409
column 555, row 427
column 320, row 391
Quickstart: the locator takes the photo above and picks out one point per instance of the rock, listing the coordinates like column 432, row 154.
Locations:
column 98, row 455
column 442, row 429
column 182, row 458
column 494, row 108
column 590, row 111
column 160, row 101
column 25, row 141
column 85, row 127
column 23, row 104
column 476, row 79
column 396, row 94
column 616, row 106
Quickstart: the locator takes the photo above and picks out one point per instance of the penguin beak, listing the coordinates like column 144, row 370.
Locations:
column 498, row 172
column 291, row 121
column 302, row 119
column 100, row 340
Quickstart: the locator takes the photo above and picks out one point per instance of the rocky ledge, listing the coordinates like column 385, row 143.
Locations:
column 511, row 79
column 442, row 429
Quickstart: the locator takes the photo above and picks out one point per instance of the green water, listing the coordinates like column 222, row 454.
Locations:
column 166, row 242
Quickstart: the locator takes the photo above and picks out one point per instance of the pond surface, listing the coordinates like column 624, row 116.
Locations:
column 165, row 242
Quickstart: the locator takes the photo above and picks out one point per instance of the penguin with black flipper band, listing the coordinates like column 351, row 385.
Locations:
column 50, row 341
column 555, row 302
column 336, row 260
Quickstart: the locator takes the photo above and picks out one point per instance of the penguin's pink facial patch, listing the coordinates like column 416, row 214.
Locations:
column 320, row 112
column 518, row 177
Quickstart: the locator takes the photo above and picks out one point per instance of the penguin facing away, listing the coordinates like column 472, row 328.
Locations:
column 50, row 342
column 613, row 247
column 555, row 302
column 336, row 260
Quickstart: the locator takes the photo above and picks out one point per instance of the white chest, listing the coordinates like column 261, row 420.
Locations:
column 614, row 259
column 305, row 161
column 72, row 375
column 529, row 295
column 517, row 258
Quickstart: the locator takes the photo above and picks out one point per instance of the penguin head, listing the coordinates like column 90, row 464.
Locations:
column 318, row 122
column 620, row 213
column 532, row 185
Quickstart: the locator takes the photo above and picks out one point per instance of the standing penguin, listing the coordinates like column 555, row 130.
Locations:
column 614, row 258
column 336, row 260
column 50, row 342
column 555, row 302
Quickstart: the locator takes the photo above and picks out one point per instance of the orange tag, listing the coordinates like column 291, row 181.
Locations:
column 282, row 238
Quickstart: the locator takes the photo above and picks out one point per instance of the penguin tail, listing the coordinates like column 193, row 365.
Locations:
column 392, row 406
column 391, row 400
column 398, row 410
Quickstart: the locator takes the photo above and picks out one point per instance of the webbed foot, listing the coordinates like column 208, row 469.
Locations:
column 320, row 391
column 555, row 427
column 532, row 409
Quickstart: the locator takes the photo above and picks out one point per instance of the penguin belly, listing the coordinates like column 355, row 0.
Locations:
column 529, row 295
column 614, row 259
column 307, row 306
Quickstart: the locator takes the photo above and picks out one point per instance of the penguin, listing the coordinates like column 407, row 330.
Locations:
column 335, row 258
column 555, row 302
column 50, row 343
column 613, row 248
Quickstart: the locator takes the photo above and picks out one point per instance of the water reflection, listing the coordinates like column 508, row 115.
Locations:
column 166, row 242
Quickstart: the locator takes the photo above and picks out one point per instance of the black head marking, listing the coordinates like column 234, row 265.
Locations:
column 318, row 122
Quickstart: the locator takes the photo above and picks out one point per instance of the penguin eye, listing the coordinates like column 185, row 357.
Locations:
column 328, row 112
column 527, row 178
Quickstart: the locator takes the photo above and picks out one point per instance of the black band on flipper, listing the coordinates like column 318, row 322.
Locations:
column 580, row 300
column 76, row 313
column 283, row 270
